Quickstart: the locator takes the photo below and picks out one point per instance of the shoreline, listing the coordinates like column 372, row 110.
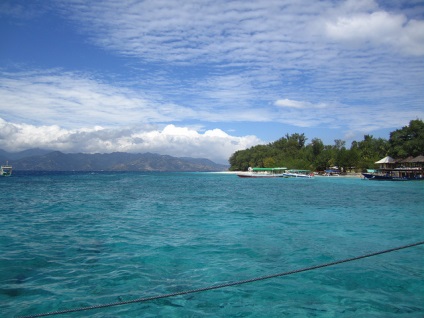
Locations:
column 347, row 175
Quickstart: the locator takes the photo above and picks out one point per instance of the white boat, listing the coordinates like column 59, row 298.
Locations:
column 332, row 173
column 5, row 171
column 296, row 173
column 263, row 173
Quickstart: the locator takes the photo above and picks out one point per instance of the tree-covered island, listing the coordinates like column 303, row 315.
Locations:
column 292, row 151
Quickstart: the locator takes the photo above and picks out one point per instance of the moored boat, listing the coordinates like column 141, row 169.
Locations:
column 5, row 171
column 332, row 173
column 410, row 169
column 296, row 173
column 263, row 173
column 394, row 175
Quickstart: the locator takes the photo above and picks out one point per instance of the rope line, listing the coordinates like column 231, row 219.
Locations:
column 223, row 285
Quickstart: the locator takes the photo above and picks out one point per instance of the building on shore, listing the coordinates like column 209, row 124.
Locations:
column 410, row 168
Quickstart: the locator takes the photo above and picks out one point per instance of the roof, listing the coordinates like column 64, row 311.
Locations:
column 268, row 169
column 418, row 159
column 298, row 170
column 387, row 159
column 407, row 160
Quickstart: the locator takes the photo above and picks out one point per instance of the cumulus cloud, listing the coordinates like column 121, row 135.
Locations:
column 378, row 28
column 173, row 140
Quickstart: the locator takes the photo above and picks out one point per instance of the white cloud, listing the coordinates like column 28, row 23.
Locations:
column 218, row 31
column 76, row 100
column 171, row 140
column 358, row 120
column 376, row 26
column 379, row 28
column 62, row 106
column 287, row 103
column 352, row 65
column 266, row 33
column 411, row 41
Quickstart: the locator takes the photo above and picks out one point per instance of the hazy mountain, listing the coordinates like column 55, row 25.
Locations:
column 4, row 155
column 44, row 160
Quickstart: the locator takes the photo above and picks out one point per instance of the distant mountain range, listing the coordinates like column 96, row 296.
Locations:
column 47, row 160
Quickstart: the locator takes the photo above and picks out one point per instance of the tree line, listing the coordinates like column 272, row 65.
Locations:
column 292, row 151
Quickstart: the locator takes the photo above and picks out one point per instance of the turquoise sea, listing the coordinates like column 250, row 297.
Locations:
column 70, row 240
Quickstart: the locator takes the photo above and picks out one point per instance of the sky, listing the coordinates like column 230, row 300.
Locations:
column 206, row 78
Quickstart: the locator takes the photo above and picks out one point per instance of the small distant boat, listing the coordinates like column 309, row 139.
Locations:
column 263, row 173
column 5, row 171
column 296, row 173
column 332, row 173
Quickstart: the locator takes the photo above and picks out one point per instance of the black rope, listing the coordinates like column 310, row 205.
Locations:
column 236, row 283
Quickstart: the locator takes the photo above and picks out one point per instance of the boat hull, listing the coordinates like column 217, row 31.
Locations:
column 297, row 175
column 248, row 175
column 374, row 177
column 5, row 171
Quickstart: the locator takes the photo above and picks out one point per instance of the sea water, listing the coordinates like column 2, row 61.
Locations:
column 71, row 240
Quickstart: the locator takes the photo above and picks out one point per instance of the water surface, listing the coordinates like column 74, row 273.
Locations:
column 79, row 239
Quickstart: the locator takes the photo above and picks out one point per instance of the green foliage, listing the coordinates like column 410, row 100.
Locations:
column 292, row 151
column 408, row 141
column 369, row 151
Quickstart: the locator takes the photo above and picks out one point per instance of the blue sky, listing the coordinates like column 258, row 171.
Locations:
column 206, row 78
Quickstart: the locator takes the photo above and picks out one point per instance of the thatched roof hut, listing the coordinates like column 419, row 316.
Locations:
column 386, row 162
column 419, row 159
